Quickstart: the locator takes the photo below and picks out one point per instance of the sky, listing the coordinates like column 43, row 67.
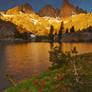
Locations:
column 38, row 4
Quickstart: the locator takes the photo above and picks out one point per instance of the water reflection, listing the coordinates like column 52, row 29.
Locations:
column 81, row 47
column 24, row 59
column 27, row 58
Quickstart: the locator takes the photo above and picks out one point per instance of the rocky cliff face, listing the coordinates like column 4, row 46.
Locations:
column 67, row 9
column 49, row 11
column 57, row 12
column 25, row 8
column 7, row 30
column 80, row 10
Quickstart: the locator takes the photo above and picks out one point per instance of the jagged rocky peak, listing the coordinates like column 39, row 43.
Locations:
column 49, row 11
column 14, row 10
column 24, row 8
column 67, row 9
column 65, row 2
column 80, row 10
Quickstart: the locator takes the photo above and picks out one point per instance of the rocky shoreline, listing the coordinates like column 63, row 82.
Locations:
column 9, row 32
column 67, row 37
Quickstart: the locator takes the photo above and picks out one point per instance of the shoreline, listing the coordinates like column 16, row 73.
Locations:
column 48, row 76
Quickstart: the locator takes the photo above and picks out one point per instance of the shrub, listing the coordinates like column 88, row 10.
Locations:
column 58, row 57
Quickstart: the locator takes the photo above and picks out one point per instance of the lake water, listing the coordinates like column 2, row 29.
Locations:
column 25, row 59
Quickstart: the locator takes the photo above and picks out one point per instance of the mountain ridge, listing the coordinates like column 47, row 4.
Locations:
column 66, row 10
column 41, row 25
column 31, row 22
column 24, row 8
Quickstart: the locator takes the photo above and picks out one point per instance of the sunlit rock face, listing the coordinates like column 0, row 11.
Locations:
column 14, row 10
column 49, row 11
column 67, row 9
column 25, row 8
column 57, row 12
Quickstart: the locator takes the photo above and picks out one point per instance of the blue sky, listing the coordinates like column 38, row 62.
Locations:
column 38, row 4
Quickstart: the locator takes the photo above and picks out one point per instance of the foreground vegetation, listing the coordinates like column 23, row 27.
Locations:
column 69, row 73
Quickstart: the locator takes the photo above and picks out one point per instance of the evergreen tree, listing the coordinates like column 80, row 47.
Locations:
column 67, row 30
column 72, row 29
column 51, row 36
column 60, row 31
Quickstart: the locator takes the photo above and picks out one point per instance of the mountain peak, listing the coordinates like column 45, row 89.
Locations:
column 49, row 11
column 67, row 9
column 65, row 1
column 25, row 8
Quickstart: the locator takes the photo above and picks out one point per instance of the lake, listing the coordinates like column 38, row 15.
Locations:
column 25, row 59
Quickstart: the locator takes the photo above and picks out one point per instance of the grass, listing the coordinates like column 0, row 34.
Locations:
column 60, row 78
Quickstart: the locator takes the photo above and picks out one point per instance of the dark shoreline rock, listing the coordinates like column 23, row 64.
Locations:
column 81, row 36
column 7, row 30
column 10, row 32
